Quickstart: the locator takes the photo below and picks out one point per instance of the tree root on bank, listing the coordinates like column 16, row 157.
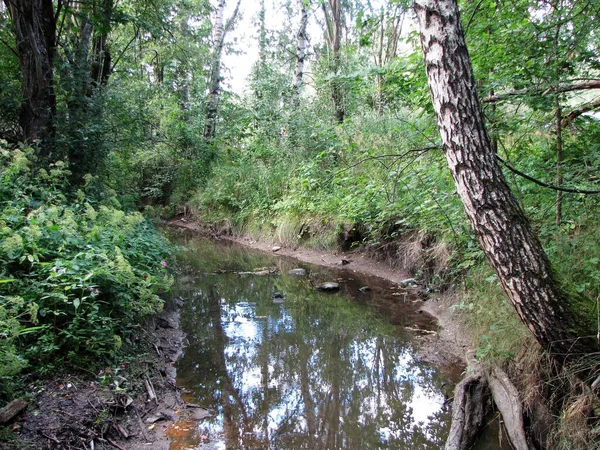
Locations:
column 470, row 407
column 469, row 410
column 506, row 398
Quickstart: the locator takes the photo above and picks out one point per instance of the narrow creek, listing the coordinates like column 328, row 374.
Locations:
column 275, row 364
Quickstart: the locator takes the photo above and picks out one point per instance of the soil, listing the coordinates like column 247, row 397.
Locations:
column 110, row 409
column 113, row 410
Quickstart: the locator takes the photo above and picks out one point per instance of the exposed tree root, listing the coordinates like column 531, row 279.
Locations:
column 469, row 410
column 506, row 398
column 470, row 405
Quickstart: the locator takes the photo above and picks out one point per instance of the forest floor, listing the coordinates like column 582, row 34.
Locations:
column 115, row 409
column 133, row 405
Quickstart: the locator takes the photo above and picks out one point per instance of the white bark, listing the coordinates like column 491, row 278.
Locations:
column 301, row 51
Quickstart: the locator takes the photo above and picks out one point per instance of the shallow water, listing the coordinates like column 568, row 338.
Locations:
column 280, row 365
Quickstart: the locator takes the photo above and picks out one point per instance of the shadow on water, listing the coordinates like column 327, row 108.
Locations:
column 282, row 366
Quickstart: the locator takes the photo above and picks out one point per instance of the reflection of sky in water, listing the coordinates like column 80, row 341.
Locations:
column 245, row 331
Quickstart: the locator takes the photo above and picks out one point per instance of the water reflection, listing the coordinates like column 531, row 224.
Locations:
column 318, row 371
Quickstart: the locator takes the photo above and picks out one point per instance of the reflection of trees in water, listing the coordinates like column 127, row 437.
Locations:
column 318, row 373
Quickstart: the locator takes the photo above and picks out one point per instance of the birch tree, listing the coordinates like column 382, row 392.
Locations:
column 543, row 304
column 221, row 28
column 301, row 49
column 332, row 11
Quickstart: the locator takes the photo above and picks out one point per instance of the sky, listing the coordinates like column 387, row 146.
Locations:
column 244, row 38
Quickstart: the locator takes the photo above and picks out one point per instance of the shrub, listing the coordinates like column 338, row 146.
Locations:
column 76, row 274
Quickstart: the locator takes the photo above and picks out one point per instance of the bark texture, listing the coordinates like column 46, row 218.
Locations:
column 506, row 398
column 333, row 22
column 220, row 31
column 496, row 217
column 35, row 31
column 468, row 411
column 300, row 51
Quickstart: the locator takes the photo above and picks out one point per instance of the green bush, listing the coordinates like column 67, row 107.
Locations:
column 76, row 275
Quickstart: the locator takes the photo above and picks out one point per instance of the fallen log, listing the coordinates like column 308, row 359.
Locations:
column 470, row 404
column 506, row 398
column 12, row 409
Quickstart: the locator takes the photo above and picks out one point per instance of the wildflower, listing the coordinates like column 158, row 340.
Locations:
column 163, row 263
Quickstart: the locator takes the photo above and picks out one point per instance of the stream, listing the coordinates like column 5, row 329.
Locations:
column 275, row 364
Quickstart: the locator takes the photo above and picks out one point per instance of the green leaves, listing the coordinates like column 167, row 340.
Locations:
column 87, row 273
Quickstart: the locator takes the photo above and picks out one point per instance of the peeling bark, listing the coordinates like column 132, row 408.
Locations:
column 497, row 219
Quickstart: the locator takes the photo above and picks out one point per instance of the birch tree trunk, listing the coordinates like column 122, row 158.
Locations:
column 35, row 31
column 210, row 120
column 300, row 51
column 497, row 219
column 220, row 31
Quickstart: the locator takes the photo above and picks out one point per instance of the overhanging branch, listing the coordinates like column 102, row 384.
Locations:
column 561, row 88
column 546, row 185
column 586, row 107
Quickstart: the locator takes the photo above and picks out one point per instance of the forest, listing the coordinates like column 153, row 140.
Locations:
column 457, row 141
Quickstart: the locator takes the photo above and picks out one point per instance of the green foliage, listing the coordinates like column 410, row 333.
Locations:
column 76, row 275
column 491, row 320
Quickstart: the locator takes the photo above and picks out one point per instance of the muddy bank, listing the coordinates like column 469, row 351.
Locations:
column 451, row 341
column 126, row 406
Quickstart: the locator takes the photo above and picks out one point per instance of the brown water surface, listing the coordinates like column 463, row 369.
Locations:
column 280, row 365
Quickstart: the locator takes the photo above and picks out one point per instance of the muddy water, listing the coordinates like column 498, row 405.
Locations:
column 279, row 365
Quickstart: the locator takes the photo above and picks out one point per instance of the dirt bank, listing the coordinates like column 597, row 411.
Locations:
column 129, row 405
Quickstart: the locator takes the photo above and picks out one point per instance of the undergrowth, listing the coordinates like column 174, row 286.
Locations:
column 77, row 274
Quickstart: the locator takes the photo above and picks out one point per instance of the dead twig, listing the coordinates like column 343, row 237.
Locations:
column 150, row 390
column 114, row 444
column 52, row 438
column 141, row 425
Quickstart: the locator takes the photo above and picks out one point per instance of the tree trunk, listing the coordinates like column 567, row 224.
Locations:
column 497, row 219
column 101, row 62
column 210, row 121
column 35, row 31
column 468, row 411
column 220, row 30
column 333, row 21
column 300, row 52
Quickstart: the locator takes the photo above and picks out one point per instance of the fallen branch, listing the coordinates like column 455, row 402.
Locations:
column 468, row 410
column 141, row 425
column 150, row 390
column 121, row 430
column 114, row 444
column 51, row 437
column 12, row 409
